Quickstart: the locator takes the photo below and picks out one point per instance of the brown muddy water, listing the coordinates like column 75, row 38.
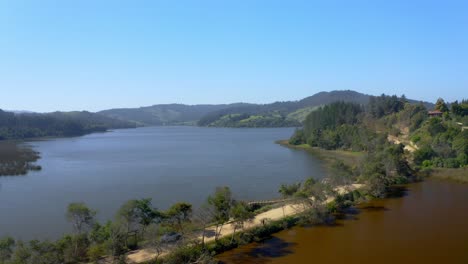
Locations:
column 427, row 224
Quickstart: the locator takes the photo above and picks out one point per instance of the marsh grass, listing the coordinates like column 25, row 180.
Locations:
column 458, row 174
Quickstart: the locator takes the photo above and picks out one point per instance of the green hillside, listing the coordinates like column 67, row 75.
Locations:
column 278, row 114
column 165, row 114
column 399, row 140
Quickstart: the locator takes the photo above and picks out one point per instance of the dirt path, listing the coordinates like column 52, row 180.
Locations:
column 273, row 214
column 409, row 146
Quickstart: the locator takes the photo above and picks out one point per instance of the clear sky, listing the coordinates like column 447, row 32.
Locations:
column 96, row 54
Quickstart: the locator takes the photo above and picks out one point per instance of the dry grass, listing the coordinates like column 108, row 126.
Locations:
column 459, row 175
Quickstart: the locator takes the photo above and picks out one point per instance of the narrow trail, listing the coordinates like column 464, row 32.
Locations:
column 290, row 209
column 403, row 139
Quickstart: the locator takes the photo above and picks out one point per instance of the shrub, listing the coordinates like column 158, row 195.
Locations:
column 95, row 252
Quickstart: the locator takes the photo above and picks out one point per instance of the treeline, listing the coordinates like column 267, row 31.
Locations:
column 334, row 126
column 351, row 126
column 57, row 124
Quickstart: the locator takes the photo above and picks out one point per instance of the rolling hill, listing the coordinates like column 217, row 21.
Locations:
column 277, row 114
column 165, row 114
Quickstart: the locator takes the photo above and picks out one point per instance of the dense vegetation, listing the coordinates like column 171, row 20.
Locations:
column 57, row 124
column 333, row 126
column 435, row 141
column 443, row 141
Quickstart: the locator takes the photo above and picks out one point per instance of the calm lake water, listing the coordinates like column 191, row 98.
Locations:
column 168, row 164
column 428, row 225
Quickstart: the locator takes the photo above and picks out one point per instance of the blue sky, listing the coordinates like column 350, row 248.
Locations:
column 93, row 55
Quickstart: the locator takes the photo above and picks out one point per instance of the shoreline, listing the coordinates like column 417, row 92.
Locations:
column 284, row 215
column 279, row 218
column 459, row 175
column 350, row 158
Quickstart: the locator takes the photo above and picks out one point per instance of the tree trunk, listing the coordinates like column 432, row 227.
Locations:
column 203, row 236
column 233, row 233
column 219, row 232
column 126, row 235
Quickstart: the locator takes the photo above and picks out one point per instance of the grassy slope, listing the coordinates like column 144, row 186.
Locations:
column 301, row 114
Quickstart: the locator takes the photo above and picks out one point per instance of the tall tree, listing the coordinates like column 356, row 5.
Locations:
column 6, row 249
column 203, row 217
column 288, row 191
column 441, row 105
column 146, row 214
column 179, row 214
column 221, row 201
column 240, row 214
column 81, row 216
column 127, row 215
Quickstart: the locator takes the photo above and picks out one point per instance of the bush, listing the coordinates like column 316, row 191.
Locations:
column 423, row 153
column 416, row 138
column 188, row 254
column 297, row 138
column 427, row 164
column 95, row 252
column 451, row 163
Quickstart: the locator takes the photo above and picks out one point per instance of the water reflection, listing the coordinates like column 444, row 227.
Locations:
column 271, row 248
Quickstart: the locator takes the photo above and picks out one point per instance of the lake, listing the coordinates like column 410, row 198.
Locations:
column 167, row 164
column 427, row 225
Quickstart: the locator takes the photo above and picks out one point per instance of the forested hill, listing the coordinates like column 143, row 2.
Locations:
column 396, row 137
column 166, row 114
column 56, row 124
column 439, row 140
column 279, row 114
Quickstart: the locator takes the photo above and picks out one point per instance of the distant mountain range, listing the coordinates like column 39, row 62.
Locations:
column 277, row 114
